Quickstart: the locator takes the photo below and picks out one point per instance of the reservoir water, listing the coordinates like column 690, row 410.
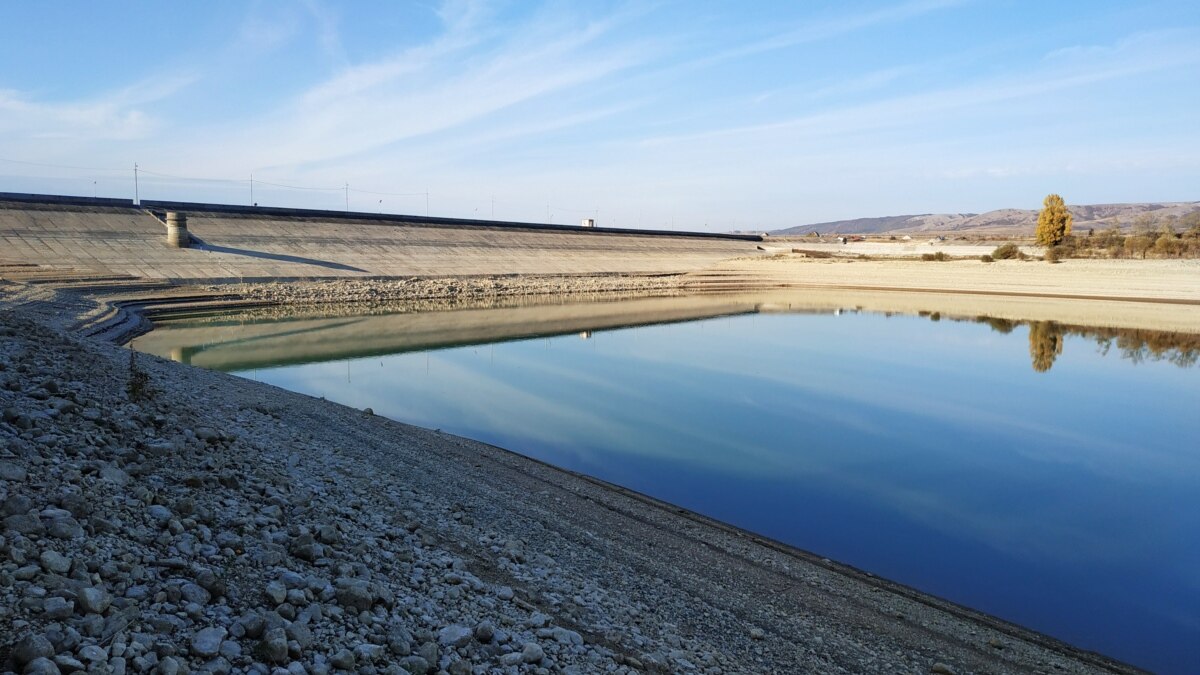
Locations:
column 1043, row 472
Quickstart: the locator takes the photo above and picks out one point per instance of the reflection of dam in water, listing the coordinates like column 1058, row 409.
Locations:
column 267, row 337
column 247, row 340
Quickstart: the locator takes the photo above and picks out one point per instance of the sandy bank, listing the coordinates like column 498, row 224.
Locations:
column 1152, row 280
column 1093, row 292
column 225, row 524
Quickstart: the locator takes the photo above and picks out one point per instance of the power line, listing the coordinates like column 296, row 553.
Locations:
column 192, row 179
column 298, row 187
column 237, row 181
column 388, row 194
column 140, row 172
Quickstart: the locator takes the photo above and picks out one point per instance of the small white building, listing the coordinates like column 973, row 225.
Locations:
column 588, row 222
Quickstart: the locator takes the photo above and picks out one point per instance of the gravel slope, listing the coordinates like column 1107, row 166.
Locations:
column 221, row 525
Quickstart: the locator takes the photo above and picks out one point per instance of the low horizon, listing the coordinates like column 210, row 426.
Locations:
column 788, row 229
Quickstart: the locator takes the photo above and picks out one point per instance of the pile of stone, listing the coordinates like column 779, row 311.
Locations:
column 365, row 292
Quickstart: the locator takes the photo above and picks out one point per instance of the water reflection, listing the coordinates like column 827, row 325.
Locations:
column 1135, row 344
column 265, row 337
column 262, row 338
column 1045, row 344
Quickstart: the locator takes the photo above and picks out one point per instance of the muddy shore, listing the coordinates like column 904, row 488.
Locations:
column 163, row 518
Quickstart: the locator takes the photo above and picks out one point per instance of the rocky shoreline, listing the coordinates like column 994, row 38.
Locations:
column 158, row 518
column 340, row 291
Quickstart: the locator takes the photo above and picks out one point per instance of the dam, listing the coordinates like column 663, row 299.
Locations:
column 112, row 238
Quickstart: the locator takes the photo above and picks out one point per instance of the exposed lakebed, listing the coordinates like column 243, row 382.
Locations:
column 1045, row 473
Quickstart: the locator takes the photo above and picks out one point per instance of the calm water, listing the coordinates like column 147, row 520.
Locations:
column 1029, row 471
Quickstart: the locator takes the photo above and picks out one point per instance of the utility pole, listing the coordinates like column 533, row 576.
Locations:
column 136, row 199
column 347, row 189
column 426, row 202
column 252, row 190
column 493, row 207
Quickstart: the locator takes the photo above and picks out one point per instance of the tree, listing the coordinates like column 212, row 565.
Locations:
column 1167, row 244
column 1054, row 221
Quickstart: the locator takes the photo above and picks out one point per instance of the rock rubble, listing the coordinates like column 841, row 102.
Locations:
column 365, row 292
column 138, row 537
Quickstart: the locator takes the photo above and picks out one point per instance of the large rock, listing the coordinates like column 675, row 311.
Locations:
column 16, row 504
column 159, row 514
column 532, row 653
column 454, row 636
column 41, row 666
column 207, row 642
column 328, row 534
column 485, row 631
column 566, row 637
column 24, row 523
column 168, row 666
column 354, row 594
column 93, row 654
column 194, row 593
column 55, row 562
column 301, row 633
column 65, row 528
column 305, row 547
column 56, row 609
column 274, row 647
column 344, row 659
column 209, row 581
column 69, row 664
column 93, row 600
column 12, row 472
column 32, row 647
column 416, row 665
column 276, row 592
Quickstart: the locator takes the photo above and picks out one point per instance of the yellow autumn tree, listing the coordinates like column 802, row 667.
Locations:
column 1054, row 221
column 1045, row 344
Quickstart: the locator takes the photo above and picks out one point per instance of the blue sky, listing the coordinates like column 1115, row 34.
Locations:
column 696, row 115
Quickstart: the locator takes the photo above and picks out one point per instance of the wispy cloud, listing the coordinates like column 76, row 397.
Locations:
column 815, row 31
column 328, row 35
column 1133, row 56
column 120, row 114
column 467, row 73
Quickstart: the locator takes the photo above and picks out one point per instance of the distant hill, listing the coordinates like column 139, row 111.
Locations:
column 1003, row 221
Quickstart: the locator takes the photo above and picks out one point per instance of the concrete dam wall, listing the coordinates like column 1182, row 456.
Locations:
column 226, row 243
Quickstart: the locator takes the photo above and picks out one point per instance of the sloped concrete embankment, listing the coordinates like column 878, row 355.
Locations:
column 125, row 242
